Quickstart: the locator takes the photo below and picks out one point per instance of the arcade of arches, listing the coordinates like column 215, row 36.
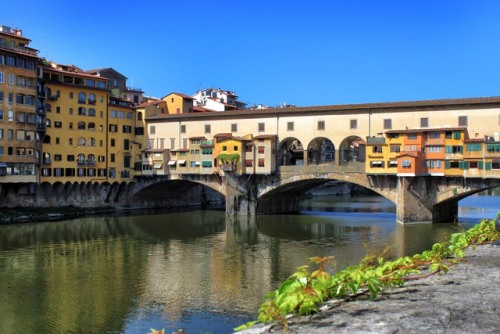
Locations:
column 320, row 150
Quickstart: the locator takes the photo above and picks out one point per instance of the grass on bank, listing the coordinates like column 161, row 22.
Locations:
column 306, row 289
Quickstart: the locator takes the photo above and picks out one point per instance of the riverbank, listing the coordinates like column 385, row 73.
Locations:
column 465, row 300
column 29, row 215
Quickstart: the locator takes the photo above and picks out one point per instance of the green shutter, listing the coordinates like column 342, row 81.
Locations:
column 449, row 149
column 488, row 165
column 447, row 165
column 481, row 165
column 463, row 165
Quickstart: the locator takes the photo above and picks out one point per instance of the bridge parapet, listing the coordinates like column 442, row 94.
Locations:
column 351, row 167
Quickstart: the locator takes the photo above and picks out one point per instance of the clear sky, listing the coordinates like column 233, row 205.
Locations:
column 314, row 52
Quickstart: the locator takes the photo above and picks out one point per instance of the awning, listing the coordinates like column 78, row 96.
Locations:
column 377, row 163
column 181, row 162
column 3, row 164
column 157, row 166
column 172, row 162
column 196, row 163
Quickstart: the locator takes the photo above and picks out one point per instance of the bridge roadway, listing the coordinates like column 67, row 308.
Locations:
column 417, row 199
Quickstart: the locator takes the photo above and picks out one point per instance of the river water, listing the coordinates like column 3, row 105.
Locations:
column 195, row 270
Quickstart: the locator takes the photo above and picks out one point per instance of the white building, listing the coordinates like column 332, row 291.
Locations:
column 217, row 99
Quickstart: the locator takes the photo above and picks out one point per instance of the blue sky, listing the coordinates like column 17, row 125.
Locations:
column 273, row 52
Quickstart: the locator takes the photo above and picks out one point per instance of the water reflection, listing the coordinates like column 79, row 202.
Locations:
column 194, row 270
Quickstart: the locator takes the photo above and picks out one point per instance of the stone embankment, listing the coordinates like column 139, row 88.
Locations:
column 465, row 300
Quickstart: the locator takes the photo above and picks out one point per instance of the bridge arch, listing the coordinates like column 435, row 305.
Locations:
column 320, row 150
column 292, row 187
column 352, row 148
column 290, row 152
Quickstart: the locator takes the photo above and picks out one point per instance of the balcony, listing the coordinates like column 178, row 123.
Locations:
column 92, row 101
column 53, row 97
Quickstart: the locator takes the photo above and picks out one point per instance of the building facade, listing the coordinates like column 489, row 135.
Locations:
column 21, row 110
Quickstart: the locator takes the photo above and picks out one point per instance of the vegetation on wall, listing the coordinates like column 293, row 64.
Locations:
column 231, row 158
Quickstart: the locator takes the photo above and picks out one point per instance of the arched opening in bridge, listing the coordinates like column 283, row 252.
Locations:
column 290, row 152
column 352, row 149
column 320, row 150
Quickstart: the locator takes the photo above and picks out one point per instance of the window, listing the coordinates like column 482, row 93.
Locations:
column 434, row 149
column 82, row 111
column 234, row 127
column 2, row 77
column 113, row 113
column 376, row 164
column 424, row 122
column 11, row 79
column 224, row 148
column 248, row 163
column 207, row 128
column 91, row 112
column 433, row 164
column 462, row 120
column 126, row 144
column 289, row 126
column 113, row 128
column 406, row 163
column 91, row 126
column 112, row 142
column 410, row 148
column 454, row 149
column 262, row 127
column 377, row 149
column 70, row 157
column 261, row 150
column 411, row 136
column 112, row 157
column 321, row 125
column 183, row 127
column 261, row 162
column 387, row 123
column 474, row 147
column 127, row 129
column 82, row 97
column 434, row 135
column 353, row 124
column 152, row 129
column 81, row 126
column 395, row 148
column 57, row 124
column 81, row 141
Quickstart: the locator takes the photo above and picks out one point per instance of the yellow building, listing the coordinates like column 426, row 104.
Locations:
column 454, row 151
column 20, row 111
column 123, row 150
column 75, row 144
column 228, row 152
column 176, row 103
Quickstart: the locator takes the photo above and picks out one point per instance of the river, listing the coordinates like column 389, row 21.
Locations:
column 195, row 270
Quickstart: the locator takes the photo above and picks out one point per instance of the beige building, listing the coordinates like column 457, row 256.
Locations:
column 21, row 110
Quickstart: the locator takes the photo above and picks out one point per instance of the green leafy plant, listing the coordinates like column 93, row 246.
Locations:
column 304, row 290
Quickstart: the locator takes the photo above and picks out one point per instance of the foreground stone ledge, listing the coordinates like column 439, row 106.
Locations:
column 465, row 300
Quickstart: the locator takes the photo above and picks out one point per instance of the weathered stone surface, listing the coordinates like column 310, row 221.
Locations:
column 465, row 300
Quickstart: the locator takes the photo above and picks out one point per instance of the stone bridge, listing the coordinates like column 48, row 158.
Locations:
column 417, row 199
